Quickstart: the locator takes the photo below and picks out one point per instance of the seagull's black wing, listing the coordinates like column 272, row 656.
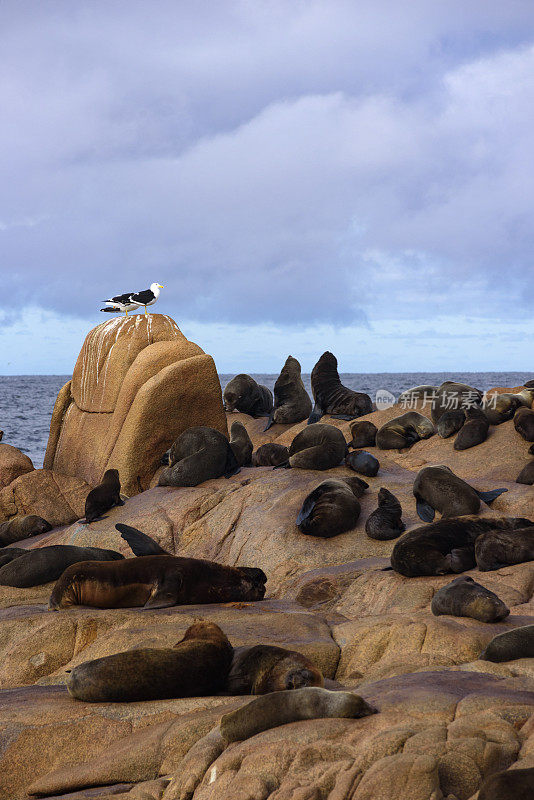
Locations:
column 143, row 297
column 120, row 298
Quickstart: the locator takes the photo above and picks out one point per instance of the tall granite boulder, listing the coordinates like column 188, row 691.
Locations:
column 137, row 384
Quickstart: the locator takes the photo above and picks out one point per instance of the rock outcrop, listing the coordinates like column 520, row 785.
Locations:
column 12, row 464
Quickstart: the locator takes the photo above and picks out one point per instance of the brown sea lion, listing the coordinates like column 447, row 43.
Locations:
column 103, row 497
column 241, row 444
column 331, row 397
column 450, row 422
column 526, row 475
column 474, row 431
column 22, row 527
column 331, row 508
column 463, row 597
column 410, row 398
column 362, row 462
column 524, row 423
column 281, row 708
column 243, row 394
column 196, row 666
column 291, row 400
column 510, row 784
column 386, row 521
column 45, row 564
column 7, row 554
column 498, row 549
column 363, row 434
column 158, row 581
column 270, row 454
column 197, row 455
column 318, row 446
column 265, row 668
column 437, row 488
column 510, row 645
column 451, row 395
column 502, row 407
column 403, row 431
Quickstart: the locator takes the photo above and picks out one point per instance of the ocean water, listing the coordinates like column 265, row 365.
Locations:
column 26, row 401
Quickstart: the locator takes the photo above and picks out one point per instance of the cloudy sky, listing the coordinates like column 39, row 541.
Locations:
column 300, row 175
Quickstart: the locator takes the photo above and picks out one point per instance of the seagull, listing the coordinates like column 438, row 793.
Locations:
column 147, row 297
column 121, row 302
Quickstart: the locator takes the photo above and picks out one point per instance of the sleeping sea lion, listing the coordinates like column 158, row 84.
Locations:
column 318, row 446
column 22, row 527
column 451, row 396
column 450, row 422
column 498, row 549
column 510, row 645
column 103, row 497
column 526, row 475
column 331, row 397
column 196, row 666
column 474, row 431
column 331, row 508
column 363, row 434
column 362, row 462
column 45, row 564
column 510, row 784
column 502, row 407
column 410, row 397
column 437, row 488
column 241, row 444
column 243, row 394
column 291, row 400
column 403, row 431
column 524, row 423
column 386, row 521
column 265, row 668
column 198, row 455
column 7, row 554
column 270, row 454
column 465, row 598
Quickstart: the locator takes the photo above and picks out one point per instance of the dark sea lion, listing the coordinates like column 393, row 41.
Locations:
column 531, row 449
column 362, row 462
column 437, row 488
column 386, row 521
column 198, row 455
column 526, row 475
column 363, row 434
column 510, row 645
column 451, row 396
column 196, row 666
column 291, row 400
column 103, row 497
column 318, row 446
column 265, row 668
column 270, row 454
column 524, row 423
column 465, row 598
column 502, row 407
column 45, row 564
column 22, row 527
column 243, row 394
column 331, row 397
column 241, row 444
column 331, row 508
column 7, row 554
column 155, row 582
column 450, row 422
column 510, row 784
column 498, row 549
column 281, row 708
column 474, row 431
column 410, row 397
column 403, row 431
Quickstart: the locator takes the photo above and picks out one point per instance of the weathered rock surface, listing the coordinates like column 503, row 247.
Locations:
column 60, row 499
column 12, row 464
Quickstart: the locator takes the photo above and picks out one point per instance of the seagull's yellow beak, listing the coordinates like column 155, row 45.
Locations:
column 160, row 286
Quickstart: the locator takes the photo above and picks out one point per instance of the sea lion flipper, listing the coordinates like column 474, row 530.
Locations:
column 232, row 467
column 347, row 417
column 461, row 559
column 140, row 543
column 489, row 497
column 316, row 414
column 306, row 510
column 425, row 511
column 284, row 465
column 270, row 421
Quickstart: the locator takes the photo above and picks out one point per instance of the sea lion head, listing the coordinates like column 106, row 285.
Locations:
column 111, row 477
column 236, row 389
column 253, row 582
column 203, row 630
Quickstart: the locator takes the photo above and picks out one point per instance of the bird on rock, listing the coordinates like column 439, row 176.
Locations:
column 148, row 296
column 131, row 301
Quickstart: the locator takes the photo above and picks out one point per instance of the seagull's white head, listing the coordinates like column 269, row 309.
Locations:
column 154, row 286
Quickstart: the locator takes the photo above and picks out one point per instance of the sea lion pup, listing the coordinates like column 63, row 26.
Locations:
column 331, row 508
column 45, row 564
column 450, row 422
column 510, row 784
column 265, row 668
column 270, row 454
column 474, row 431
column 526, row 475
column 331, row 397
column 241, row 444
column 198, row 455
column 243, row 394
column 403, row 431
column 524, row 423
column 362, row 462
column 445, row 546
column 318, row 446
column 103, row 497
column 196, row 666
column 22, row 527
column 363, row 434
column 291, row 400
column 452, row 395
column 465, row 598
column 385, row 522
column 510, row 645
column 502, row 407
column 437, row 488
column 503, row 548
column 155, row 582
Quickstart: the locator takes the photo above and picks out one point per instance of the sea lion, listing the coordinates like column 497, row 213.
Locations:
column 331, row 397
column 45, row 564
column 451, row 395
column 385, row 522
column 410, row 397
column 502, row 407
column 524, row 423
column 155, row 582
column 7, row 554
column 510, row 645
column 291, row 400
column 362, row 462
column 331, row 508
column 363, row 434
column 281, row 708
column 241, row 444
column 510, row 784
column 243, row 394
column 437, row 488
column 197, row 455
column 445, row 546
column 474, row 431
column 526, row 475
column 141, row 544
column 403, row 431
column 103, row 497
column 270, row 454
column 463, row 597
column 318, row 446
column 196, row 666
column 22, row 527
column 498, row 549
column 265, row 668
column 450, row 422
